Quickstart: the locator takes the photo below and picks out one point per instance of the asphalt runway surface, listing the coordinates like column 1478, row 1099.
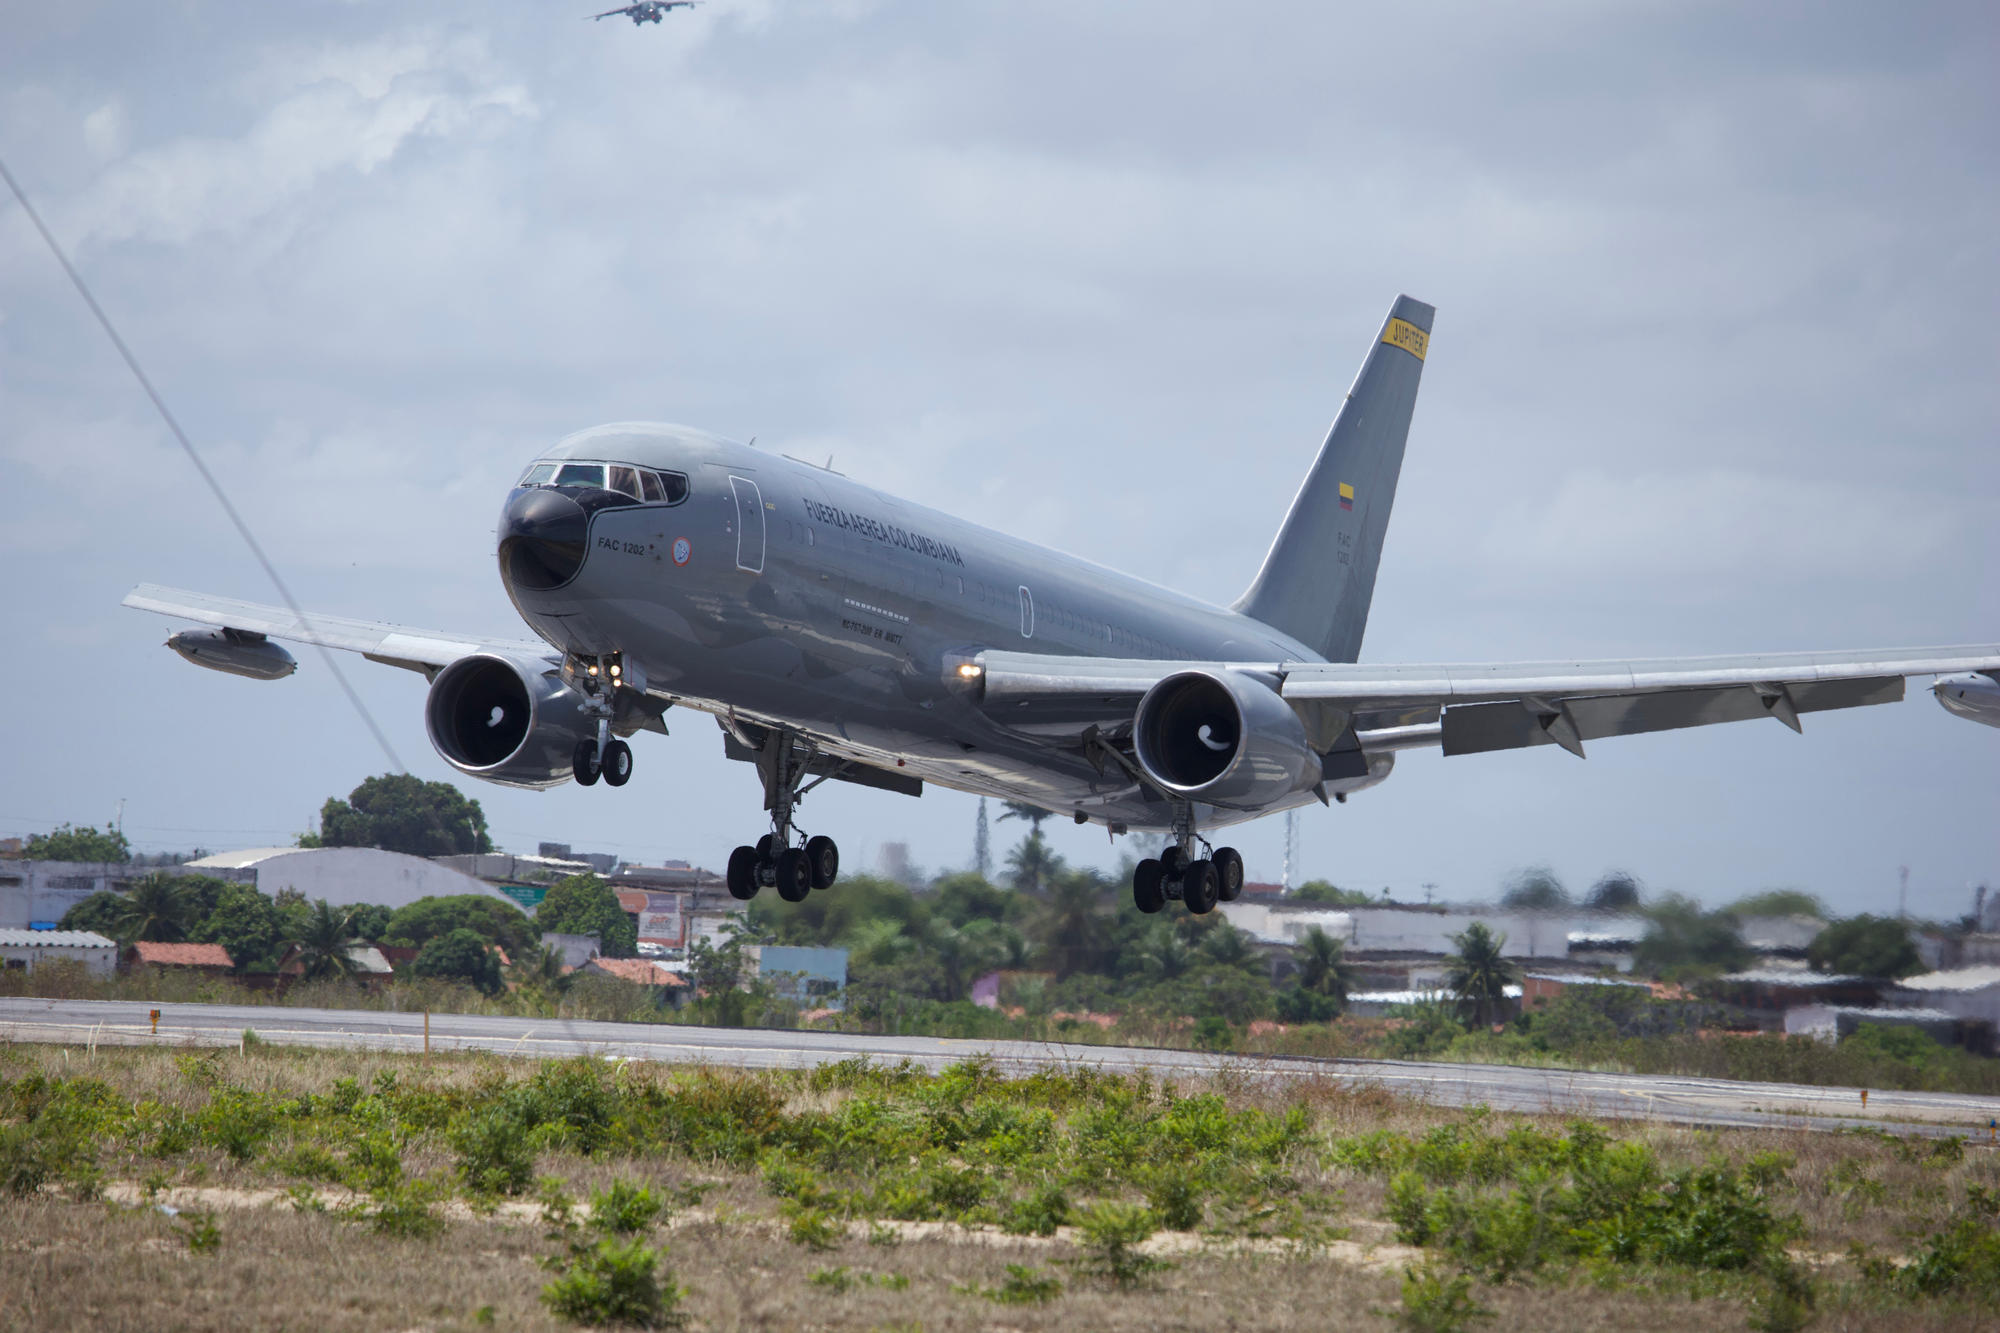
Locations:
column 1690, row 1101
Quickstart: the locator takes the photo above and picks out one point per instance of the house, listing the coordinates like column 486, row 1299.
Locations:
column 29, row 949
column 367, row 963
column 1966, row 992
column 813, row 977
column 212, row 958
column 669, row 986
column 1768, row 992
column 1538, row 988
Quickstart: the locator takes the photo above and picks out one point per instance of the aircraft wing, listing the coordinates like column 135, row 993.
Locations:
column 1469, row 708
column 393, row 645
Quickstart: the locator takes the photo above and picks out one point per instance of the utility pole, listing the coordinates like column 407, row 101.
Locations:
column 982, row 844
column 1902, row 893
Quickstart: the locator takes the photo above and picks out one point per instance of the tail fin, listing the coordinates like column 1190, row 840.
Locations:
column 1319, row 576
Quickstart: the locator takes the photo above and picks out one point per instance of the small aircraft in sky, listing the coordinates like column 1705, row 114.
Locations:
column 837, row 632
column 647, row 11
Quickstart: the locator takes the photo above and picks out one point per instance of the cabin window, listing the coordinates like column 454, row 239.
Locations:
column 581, row 474
column 539, row 475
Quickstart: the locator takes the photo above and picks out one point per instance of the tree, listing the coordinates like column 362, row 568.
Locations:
column 1478, row 975
column 370, row 921
column 1865, row 946
column 585, row 905
column 154, row 909
column 1616, row 891
column 69, row 843
column 1780, row 902
column 400, row 813
column 1034, row 863
column 102, row 912
column 1034, row 814
column 1536, row 889
column 1070, row 927
column 246, row 923
column 1323, row 966
column 1322, row 891
column 461, row 956
column 1683, row 940
column 323, row 943
column 495, row 919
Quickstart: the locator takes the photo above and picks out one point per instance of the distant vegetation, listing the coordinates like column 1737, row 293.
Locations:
column 400, row 813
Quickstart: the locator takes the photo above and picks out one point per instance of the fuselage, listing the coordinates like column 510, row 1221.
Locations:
column 779, row 593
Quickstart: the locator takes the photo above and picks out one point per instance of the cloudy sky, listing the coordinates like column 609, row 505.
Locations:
column 1714, row 369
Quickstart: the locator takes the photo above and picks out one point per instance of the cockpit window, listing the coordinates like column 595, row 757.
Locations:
column 675, row 487
column 539, row 475
column 625, row 479
column 642, row 484
column 581, row 474
column 650, row 484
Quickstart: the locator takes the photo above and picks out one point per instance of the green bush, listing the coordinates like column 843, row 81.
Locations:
column 201, row 1233
column 1436, row 1303
column 407, row 1210
column 494, row 1154
column 1044, row 1209
column 1023, row 1286
column 617, row 1282
column 814, row 1230
column 1111, row 1236
column 625, row 1208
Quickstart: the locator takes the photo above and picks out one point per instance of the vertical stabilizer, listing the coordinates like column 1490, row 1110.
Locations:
column 1319, row 576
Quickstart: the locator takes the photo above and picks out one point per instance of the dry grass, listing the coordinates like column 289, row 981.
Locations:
column 106, row 1265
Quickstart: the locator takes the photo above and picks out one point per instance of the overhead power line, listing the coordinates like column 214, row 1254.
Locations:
column 214, row 486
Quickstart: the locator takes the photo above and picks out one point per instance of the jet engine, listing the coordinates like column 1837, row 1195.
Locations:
column 1223, row 738
column 510, row 722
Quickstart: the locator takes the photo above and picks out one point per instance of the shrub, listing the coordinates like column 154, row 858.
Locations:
column 1112, row 1234
column 1436, row 1303
column 624, row 1209
column 203, row 1236
column 1023, row 1286
column 1175, row 1200
column 1039, row 1214
column 814, row 1229
column 1786, row 1303
column 494, row 1156
column 407, row 1210
column 616, row 1282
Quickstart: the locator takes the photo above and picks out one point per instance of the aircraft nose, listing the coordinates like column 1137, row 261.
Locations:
column 542, row 536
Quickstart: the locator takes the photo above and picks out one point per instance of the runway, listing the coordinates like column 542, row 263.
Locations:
column 1688, row 1101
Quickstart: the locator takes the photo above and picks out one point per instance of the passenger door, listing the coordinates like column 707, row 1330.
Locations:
column 749, row 524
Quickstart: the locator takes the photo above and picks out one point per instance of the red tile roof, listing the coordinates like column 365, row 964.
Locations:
column 641, row 970
column 157, row 953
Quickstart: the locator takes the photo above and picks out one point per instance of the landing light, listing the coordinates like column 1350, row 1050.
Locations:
column 592, row 670
column 969, row 670
column 614, row 668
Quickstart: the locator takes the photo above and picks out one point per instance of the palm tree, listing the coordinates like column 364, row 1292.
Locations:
column 1070, row 927
column 1034, row 814
column 1477, row 974
column 322, row 943
column 154, row 909
column 1033, row 864
column 540, row 967
column 1323, row 965
column 1167, row 955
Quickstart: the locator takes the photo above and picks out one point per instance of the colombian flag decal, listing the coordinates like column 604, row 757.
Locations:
column 1346, row 496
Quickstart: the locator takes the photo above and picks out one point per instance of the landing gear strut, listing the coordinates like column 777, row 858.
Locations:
column 794, row 871
column 597, row 679
column 1199, row 882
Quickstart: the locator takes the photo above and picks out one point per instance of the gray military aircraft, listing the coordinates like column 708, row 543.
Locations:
column 647, row 11
column 836, row 632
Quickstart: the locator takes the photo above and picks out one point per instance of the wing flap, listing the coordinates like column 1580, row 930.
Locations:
column 392, row 645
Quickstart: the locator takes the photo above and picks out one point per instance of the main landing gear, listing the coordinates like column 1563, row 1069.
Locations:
column 1199, row 882
column 597, row 680
column 794, row 871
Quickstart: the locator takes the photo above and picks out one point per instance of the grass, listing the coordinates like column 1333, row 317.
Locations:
column 339, row 1185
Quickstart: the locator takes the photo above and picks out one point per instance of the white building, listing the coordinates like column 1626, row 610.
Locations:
column 1422, row 930
column 36, row 894
column 344, row 875
column 1966, row 992
column 31, row 948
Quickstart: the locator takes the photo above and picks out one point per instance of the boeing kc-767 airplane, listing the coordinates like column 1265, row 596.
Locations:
column 836, row 632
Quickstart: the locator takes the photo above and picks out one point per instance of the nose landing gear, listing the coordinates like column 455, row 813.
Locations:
column 1199, row 882
column 793, row 871
column 597, row 680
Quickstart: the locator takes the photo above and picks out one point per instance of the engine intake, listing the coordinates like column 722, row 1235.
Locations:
column 505, row 721
column 1222, row 738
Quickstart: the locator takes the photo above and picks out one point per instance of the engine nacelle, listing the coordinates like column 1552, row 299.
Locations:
column 239, row 652
column 509, row 722
column 1222, row 738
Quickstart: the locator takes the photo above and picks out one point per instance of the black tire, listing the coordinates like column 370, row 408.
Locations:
column 1198, row 887
column 617, row 765
column 583, row 763
column 823, row 859
column 1228, row 874
column 1174, row 861
column 1149, row 893
column 742, row 874
column 794, row 875
column 767, row 849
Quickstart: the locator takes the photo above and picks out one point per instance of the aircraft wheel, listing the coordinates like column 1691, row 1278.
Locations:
column 742, row 874
column 1174, row 861
column 583, row 763
column 617, row 765
column 794, row 875
column 1228, row 874
column 767, row 850
column 1149, row 893
column 1198, row 887
column 823, row 859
